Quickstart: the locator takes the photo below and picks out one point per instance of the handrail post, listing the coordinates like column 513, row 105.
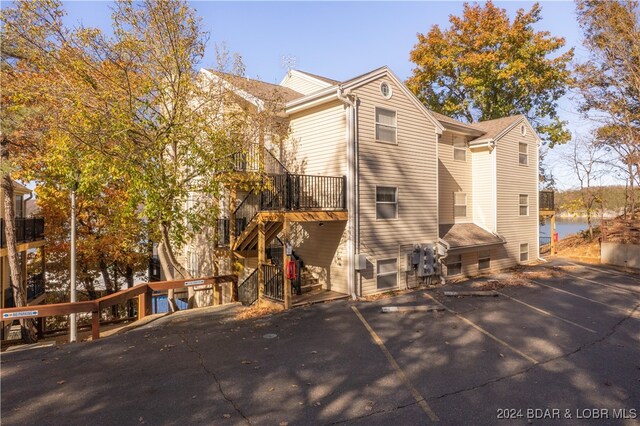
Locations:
column 95, row 324
column 144, row 303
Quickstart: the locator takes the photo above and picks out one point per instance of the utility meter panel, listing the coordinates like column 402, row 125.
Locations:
column 426, row 259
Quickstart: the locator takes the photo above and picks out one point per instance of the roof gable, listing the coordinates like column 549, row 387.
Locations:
column 301, row 80
column 385, row 71
column 253, row 91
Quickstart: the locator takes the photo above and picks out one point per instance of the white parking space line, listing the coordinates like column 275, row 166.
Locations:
column 630, row 312
column 626, row 290
column 542, row 311
column 485, row 332
column 422, row 402
column 607, row 270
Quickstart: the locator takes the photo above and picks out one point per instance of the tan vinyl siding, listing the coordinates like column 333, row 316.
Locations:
column 514, row 179
column 323, row 249
column 317, row 142
column 411, row 166
column 454, row 176
column 303, row 85
column 484, row 203
column 470, row 260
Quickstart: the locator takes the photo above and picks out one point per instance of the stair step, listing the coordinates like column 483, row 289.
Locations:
column 308, row 287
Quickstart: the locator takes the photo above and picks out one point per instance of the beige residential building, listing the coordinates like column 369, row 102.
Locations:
column 31, row 252
column 371, row 192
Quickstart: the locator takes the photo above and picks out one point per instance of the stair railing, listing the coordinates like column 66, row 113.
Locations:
column 273, row 282
column 248, row 290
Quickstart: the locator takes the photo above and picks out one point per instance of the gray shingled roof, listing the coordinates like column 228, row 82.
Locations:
column 462, row 235
column 260, row 89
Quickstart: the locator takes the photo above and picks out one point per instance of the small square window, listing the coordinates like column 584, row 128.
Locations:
column 484, row 260
column 460, row 204
column 524, row 205
column 386, row 126
column 459, row 149
column 454, row 265
column 524, row 252
column 387, row 273
column 523, row 154
column 386, row 202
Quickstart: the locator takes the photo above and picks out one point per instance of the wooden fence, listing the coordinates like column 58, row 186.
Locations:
column 143, row 292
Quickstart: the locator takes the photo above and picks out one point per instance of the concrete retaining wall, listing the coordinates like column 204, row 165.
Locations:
column 620, row 254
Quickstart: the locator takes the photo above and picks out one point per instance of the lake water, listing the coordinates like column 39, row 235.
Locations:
column 565, row 226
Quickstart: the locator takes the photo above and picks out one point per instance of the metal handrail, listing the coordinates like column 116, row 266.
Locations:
column 248, row 290
column 273, row 282
column 546, row 200
column 27, row 229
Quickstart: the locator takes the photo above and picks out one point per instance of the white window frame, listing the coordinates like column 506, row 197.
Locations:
column 523, row 157
column 524, row 252
column 388, row 96
column 457, row 262
column 387, row 202
column 484, row 255
column 394, row 127
column 457, row 148
column 521, row 205
column 386, row 274
column 455, row 204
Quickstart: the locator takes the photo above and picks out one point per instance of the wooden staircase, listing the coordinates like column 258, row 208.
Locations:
column 309, row 282
column 246, row 244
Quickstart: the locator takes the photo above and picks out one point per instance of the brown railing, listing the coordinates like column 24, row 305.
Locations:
column 27, row 229
column 143, row 292
column 546, row 201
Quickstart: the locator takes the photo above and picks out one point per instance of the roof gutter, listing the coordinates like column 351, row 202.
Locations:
column 314, row 99
column 483, row 143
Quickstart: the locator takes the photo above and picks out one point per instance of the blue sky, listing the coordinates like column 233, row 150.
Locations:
column 341, row 39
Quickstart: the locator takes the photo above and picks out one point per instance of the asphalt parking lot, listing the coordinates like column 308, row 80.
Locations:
column 562, row 349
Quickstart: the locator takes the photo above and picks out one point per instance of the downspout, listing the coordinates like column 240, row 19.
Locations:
column 24, row 203
column 442, row 256
column 352, row 186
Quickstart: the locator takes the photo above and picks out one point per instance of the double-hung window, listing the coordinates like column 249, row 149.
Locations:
column 459, row 149
column 524, row 252
column 524, row 205
column 523, row 155
column 454, row 265
column 387, row 273
column 386, row 126
column 386, row 202
column 484, row 260
column 460, row 204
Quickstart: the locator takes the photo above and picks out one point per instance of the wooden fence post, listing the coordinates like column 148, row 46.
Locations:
column 144, row 304
column 95, row 325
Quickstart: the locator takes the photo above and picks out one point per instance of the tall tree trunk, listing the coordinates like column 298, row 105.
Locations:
column 27, row 325
column 90, row 287
column 109, row 285
column 128, row 274
column 171, row 268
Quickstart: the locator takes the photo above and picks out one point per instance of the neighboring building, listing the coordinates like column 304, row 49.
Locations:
column 31, row 252
column 367, row 175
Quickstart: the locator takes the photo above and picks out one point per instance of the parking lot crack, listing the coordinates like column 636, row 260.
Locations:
column 371, row 414
column 215, row 378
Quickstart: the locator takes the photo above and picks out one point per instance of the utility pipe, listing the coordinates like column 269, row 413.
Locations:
column 352, row 190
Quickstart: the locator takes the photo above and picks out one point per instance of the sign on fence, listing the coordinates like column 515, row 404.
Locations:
column 19, row 314
column 194, row 282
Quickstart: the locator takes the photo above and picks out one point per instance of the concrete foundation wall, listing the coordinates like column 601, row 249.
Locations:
column 620, row 254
